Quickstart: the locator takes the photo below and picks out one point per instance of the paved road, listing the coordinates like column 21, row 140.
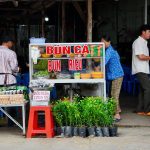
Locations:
column 129, row 139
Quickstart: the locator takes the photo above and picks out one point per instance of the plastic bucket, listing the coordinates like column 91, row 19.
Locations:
column 37, row 40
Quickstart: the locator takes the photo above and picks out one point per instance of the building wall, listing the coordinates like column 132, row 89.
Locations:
column 130, row 18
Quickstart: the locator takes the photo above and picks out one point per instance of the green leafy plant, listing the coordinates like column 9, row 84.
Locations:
column 58, row 113
column 90, row 111
column 41, row 65
column 41, row 74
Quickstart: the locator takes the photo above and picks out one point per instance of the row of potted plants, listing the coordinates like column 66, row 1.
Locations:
column 90, row 116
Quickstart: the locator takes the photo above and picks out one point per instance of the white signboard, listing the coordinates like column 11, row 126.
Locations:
column 41, row 95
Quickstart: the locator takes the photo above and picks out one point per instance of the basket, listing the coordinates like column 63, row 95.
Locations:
column 16, row 99
column 4, row 99
column 12, row 99
column 45, row 55
column 57, row 55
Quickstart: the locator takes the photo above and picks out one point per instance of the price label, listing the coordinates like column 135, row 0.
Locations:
column 41, row 95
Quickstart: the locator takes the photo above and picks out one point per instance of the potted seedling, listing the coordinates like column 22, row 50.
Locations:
column 69, row 118
column 82, row 119
column 105, row 128
column 59, row 117
column 76, row 117
column 95, row 115
column 111, row 110
column 98, row 122
column 108, row 115
column 90, row 115
column 99, row 104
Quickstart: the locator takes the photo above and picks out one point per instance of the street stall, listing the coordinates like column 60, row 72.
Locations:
column 14, row 96
column 72, row 64
column 68, row 63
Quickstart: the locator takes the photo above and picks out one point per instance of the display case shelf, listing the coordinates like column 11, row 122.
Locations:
column 72, row 58
column 90, row 81
column 86, row 66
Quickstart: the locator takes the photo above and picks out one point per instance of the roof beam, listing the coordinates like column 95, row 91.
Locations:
column 42, row 6
column 79, row 10
column 13, row 9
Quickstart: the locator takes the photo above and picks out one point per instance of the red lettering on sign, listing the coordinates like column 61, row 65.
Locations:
column 75, row 64
column 77, row 49
column 54, row 65
column 66, row 50
column 78, row 64
column 49, row 50
column 85, row 49
column 70, row 64
column 81, row 50
column 50, row 67
column 58, row 50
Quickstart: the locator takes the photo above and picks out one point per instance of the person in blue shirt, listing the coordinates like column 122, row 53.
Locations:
column 114, row 72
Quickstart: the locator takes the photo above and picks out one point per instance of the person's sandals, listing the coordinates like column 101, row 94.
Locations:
column 142, row 113
column 117, row 118
column 147, row 114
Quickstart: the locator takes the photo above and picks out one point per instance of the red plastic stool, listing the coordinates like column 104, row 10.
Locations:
column 33, row 127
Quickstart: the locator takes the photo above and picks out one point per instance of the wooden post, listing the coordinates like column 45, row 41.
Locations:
column 63, row 21
column 89, row 30
column 58, row 24
column 43, row 21
column 15, row 37
column 145, row 13
column 29, row 33
column 117, row 19
column 74, row 29
column 89, row 23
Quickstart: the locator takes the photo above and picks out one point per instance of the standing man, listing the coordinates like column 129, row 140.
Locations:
column 140, row 67
column 8, row 67
column 8, row 62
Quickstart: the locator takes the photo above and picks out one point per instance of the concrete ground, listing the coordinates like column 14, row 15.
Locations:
column 133, row 134
column 137, row 138
column 130, row 119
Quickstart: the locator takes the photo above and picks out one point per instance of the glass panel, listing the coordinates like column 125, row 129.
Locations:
column 67, row 61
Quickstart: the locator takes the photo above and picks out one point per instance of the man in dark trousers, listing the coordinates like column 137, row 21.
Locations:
column 140, row 67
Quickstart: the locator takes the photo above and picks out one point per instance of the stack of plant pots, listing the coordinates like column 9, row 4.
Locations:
column 90, row 116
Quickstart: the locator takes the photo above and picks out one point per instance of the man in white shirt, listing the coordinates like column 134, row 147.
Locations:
column 8, row 62
column 8, row 67
column 140, row 67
